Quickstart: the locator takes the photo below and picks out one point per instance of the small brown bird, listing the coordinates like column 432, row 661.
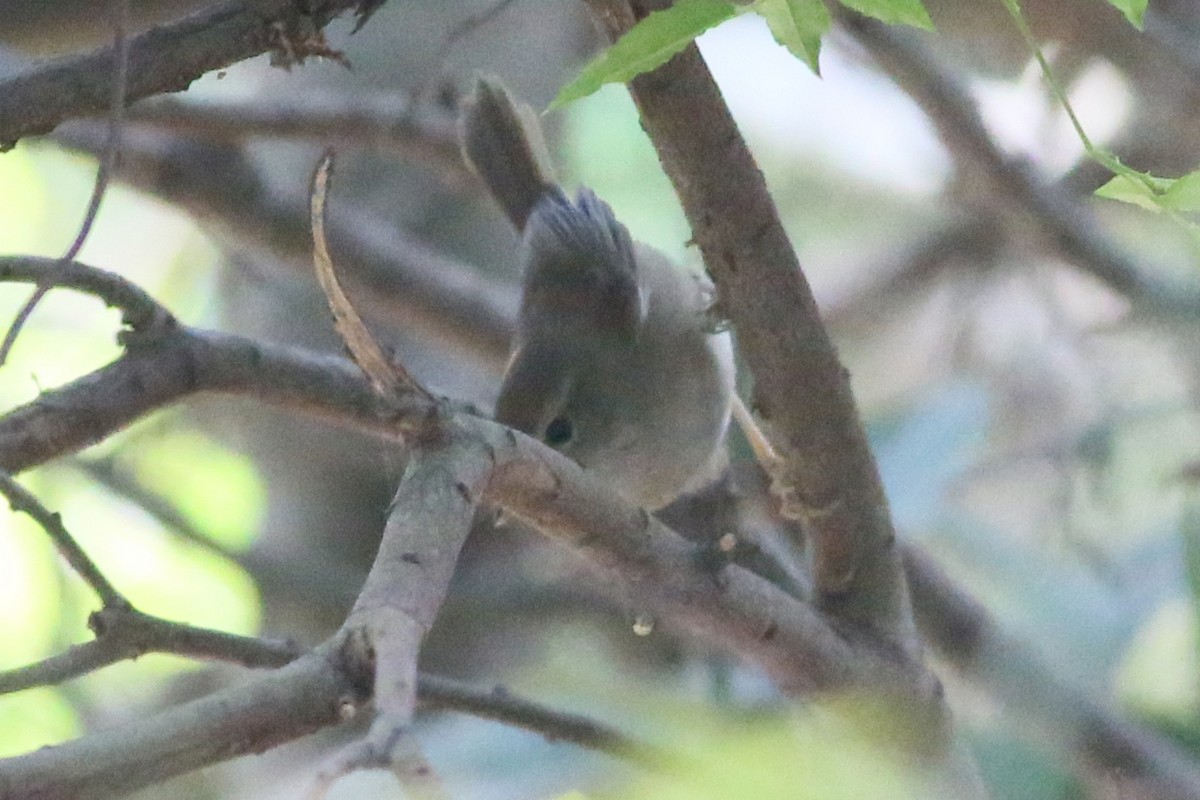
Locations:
column 613, row 363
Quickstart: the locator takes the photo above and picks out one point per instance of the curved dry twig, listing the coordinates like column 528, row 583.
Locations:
column 388, row 377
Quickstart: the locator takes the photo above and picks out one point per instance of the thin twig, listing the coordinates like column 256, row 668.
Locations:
column 22, row 500
column 437, row 693
column 108, row 161
column 126, row 633
column 116, row 113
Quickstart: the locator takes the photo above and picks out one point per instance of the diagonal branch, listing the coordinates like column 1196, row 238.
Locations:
column 180, row 364
column 801, row 390
column 429, row 521
column 22, row 500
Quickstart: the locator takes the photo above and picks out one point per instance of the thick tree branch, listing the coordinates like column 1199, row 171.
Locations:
column 179, row 365
column 164, row 363
column 430, row 519
column 164, row 59
column 801, row 390
column 313, row 692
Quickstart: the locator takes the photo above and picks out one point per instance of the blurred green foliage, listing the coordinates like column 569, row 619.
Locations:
column 217, row 490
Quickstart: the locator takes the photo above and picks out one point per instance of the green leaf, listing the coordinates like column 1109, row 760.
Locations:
column 1134, row 10
column 1184, row 193
column 647, row 45
column 895, row 12
column 1127, row 189
column 798, row 25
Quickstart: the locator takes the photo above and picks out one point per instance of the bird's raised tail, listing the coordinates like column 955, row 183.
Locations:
column 502, row 141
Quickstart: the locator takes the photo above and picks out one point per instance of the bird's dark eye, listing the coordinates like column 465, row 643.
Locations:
column 558, row 432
